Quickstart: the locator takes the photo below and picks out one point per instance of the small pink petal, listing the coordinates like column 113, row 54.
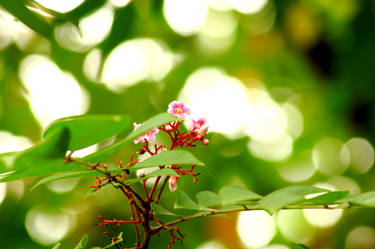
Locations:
column 173, row 183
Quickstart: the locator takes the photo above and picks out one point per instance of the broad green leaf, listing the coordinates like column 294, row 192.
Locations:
column 183, row 201
column 61, row 176
column 365, row 199
column 119, row 239
column 86, row 130
column 26, row 16
column 57, row 246
column 159, row 210
column 287, row 196
column 298, row 246
column 158, row 172
column 156, row 121
column 54, row 146
column 43, row 168
column 327, row 198
column 180, row 157
column 237, row 194
column 208, row 199
column 82, row 244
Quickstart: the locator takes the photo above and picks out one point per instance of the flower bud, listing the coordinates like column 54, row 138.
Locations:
column 203, row 130
column 141, row 173
column 173, row 183
column 206, row 141
column 163, row 149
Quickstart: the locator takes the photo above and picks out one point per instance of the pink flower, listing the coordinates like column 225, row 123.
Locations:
column 199, row 126
column 149, row 136
column 173, row 183
column 196, row 125
column 178, row 109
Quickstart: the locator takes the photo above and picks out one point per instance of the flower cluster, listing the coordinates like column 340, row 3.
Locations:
column 198, row 129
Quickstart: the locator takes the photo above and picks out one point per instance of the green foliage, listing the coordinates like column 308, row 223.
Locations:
column 168, row 158
column 87, row 130
column 298, row 246
column 82, row 244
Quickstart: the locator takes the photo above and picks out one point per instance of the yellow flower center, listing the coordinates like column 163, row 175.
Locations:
column 178, row 110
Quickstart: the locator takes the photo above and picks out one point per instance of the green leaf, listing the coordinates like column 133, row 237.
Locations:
column 7, row 160
column 287, row 196
column 119, row 239
column 67, row 175
column 159, row 210
column 365, row 199
column 158, row 172
column 168, row 158
column 327, row 198
column 48, row 167
column 208, row 199
column 25, row 15
column 156, row 121
column 237, row 194
column 183, row 201
column 82, row 244
column 57, row 246
column 86, row 130
column 298, row 246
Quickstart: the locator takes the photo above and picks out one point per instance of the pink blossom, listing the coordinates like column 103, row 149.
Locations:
column 199, row 126
column 178, row 109
column 173, row 183
column 149, row 136
column 196, row 125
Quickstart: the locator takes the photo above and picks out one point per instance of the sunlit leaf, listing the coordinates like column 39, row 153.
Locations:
column 82, row 244
column 159, row 210
column 287, row 196
column 327, row 198
column 237, row 194
column 365, row 199
column 183, row 201
column 86, row 130
column 208, row 199
column 180, row 157
column 57, row 246
column 156, row 121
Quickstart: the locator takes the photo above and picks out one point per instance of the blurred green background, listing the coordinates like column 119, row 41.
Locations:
column 286, row 87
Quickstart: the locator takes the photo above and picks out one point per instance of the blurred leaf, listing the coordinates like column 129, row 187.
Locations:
column 87, row 130
column 67, row 175
column 118, row 240
column 287, row 196
column 327, row 198
column 7, row 160
column 156, row 121
column 236, row 194
column 86, row 8
column 82, row 244
column 181, row 157
column 298, row 246
column 183, row 201
column 158, row 209
column 365, row 199
column 208, row 199
column 57, row 246
column 18, row 9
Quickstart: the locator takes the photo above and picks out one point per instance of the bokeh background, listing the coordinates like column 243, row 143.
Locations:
column 286, row 87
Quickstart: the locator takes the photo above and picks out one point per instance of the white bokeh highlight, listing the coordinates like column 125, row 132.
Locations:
column 256, row 228
column 52, row 93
